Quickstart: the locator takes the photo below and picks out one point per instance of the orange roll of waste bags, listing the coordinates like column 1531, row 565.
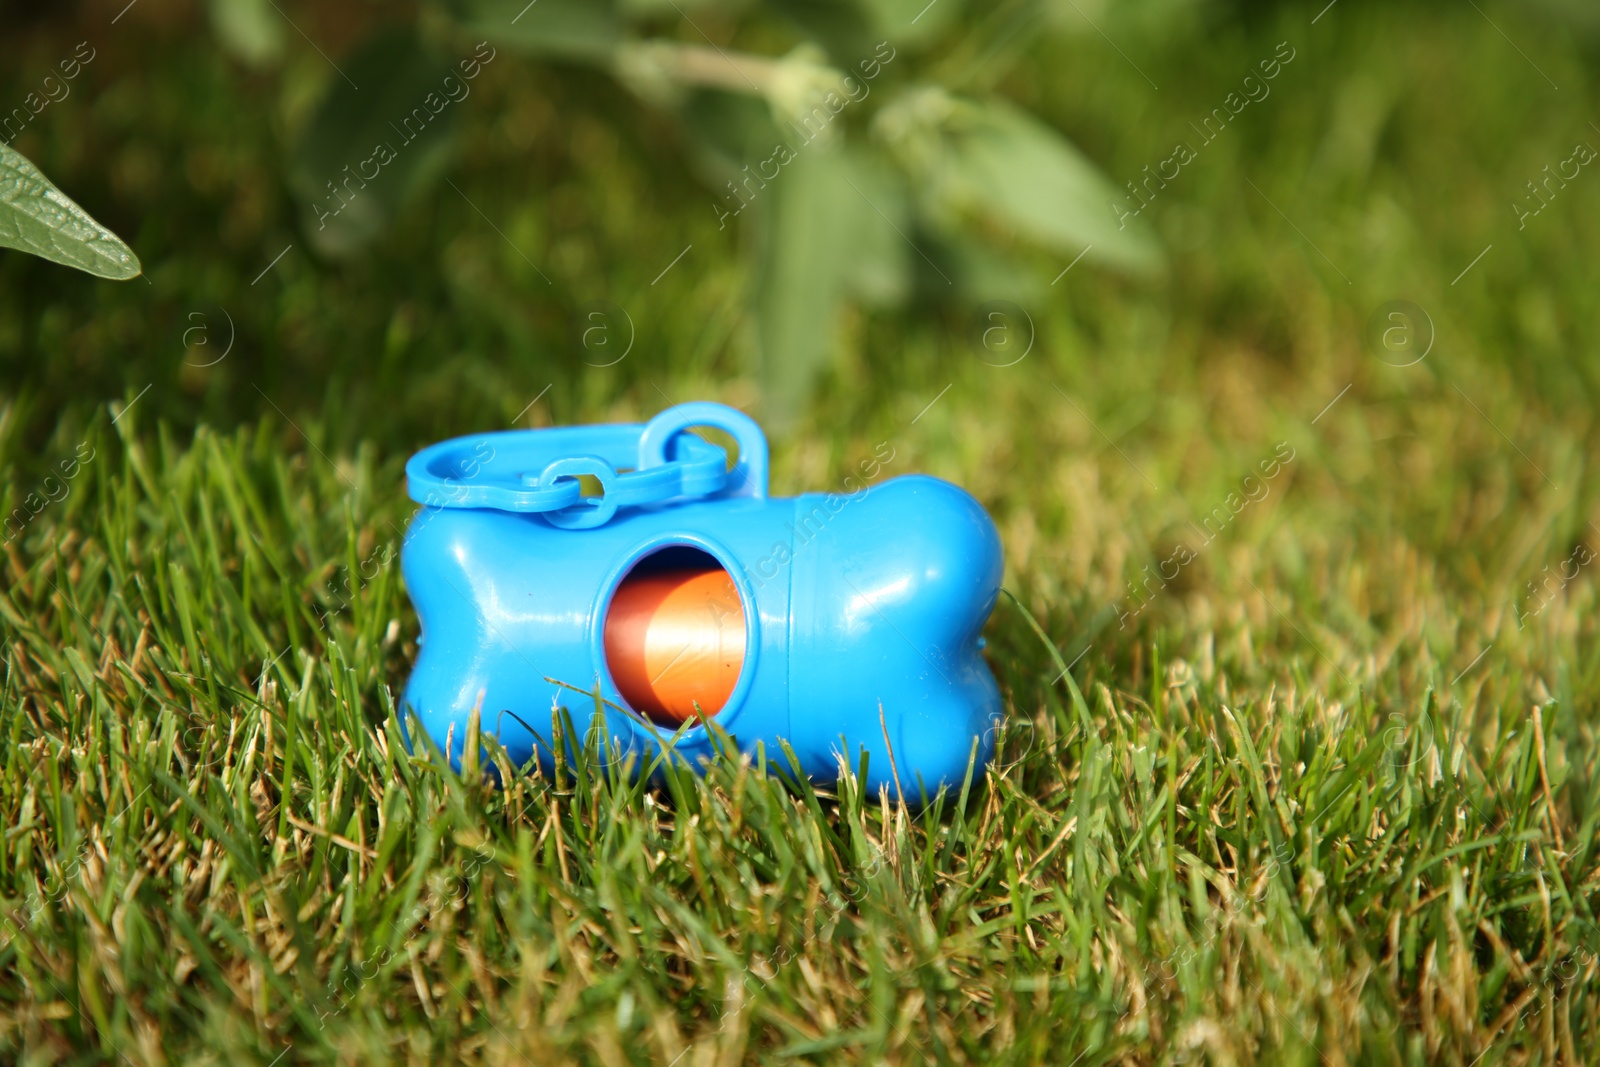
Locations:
column 675, row 639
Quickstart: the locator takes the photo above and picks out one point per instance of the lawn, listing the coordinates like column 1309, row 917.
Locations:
column 1298, row 653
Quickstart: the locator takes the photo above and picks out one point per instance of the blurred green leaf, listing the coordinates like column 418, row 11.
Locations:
column 907, row 22
column 842, row 27
column 990, row 163
column 250, row 29
column 831, row 229
column 587, row 30
column 878, row 251
column 37, row 217
column 730, row 129
column 370, row 148
column 983, row 272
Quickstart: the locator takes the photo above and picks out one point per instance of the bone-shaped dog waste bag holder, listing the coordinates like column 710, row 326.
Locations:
column 816, row 608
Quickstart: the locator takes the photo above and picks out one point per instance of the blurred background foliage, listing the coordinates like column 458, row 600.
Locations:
column 860, row 135
column 798, row 206
column 555, row 241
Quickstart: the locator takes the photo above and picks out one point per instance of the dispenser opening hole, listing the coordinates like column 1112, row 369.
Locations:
column 675, row 635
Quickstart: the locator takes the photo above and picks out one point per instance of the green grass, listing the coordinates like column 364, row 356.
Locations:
column 1240, row 843
column 1324, row 798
